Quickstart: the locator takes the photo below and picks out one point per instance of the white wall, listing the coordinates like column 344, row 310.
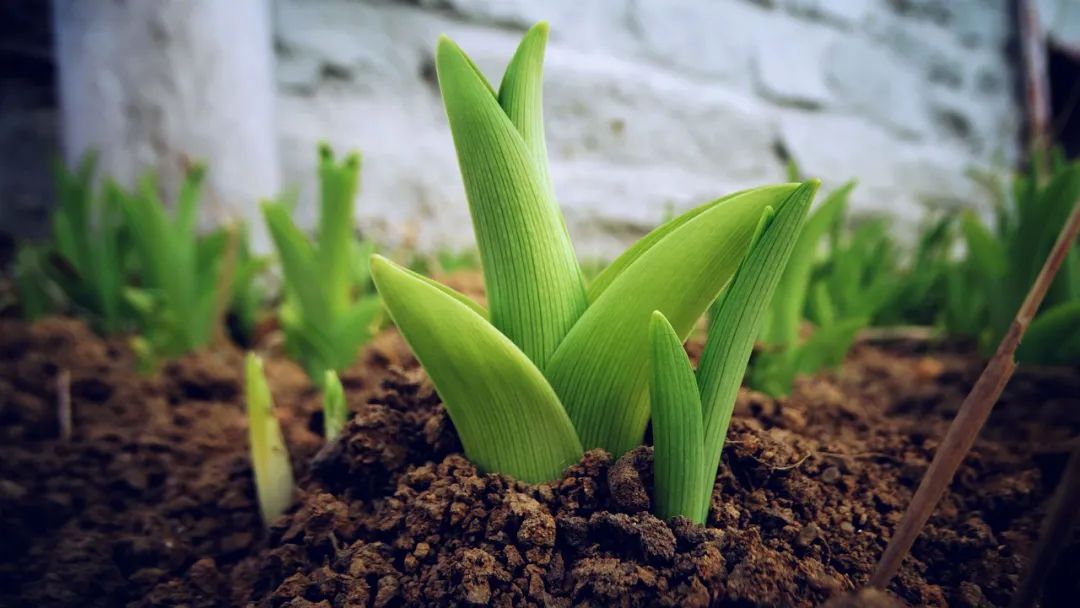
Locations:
column 653, row 103
column 160, row 84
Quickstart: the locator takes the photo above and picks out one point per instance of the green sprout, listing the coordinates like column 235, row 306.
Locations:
column 553, row 367
column 327, row 313
column 269, row 456
column 88, row 234
column 335, row 412
column 691, row 415
column 179, row 271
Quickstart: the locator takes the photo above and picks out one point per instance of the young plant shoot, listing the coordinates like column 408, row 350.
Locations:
column 327, row 313
column 553, row 367
column 86, row 260
column 179, row 271
column 335, row 413
column 269, row 457
column 691, row 415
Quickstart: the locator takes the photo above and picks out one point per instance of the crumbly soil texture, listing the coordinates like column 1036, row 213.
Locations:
column 146, row 497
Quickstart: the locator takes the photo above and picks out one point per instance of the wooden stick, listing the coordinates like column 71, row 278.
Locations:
column 973, row 412
column 1058, row 526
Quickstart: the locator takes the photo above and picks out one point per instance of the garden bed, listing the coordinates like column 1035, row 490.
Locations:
column 151, row 502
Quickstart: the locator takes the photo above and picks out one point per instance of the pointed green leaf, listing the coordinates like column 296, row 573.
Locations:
column 187, row 203
column 297, row 260
column 738, row 317
column 785, row 314
column 338, row 189
column 628, row 257
column 505, row 412
column 521, row 95
column 335, row 414
column 269, row 457
column 534, row 285
column 472, row 304
column 678, row 435
column 601, row 369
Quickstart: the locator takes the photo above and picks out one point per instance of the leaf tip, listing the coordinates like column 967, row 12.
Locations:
column 379, row 266
column 659, row 324
column 446, row 50
column 540, row 30
column 326, row 153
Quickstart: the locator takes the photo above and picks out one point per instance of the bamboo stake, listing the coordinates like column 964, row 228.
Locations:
column 1056, row 527
column 973, row 412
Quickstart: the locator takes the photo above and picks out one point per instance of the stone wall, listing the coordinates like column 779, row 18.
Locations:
column 654, row 106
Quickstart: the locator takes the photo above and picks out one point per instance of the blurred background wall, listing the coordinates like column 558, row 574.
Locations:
column 651, row 106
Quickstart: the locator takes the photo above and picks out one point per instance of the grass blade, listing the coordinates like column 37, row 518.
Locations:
column 506, row 414
column 679, row 456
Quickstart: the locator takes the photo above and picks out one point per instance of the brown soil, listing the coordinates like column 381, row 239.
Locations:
column 154, row 476
column 150, row 502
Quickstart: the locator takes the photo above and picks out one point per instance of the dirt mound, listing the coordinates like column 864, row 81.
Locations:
column 150, row 501
column 809, row 490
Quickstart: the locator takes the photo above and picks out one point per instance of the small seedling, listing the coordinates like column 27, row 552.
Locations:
column 86, row 260
column 328, row 312
column 269, row 457
column 553, row 367
column 335, row 413
column 691, row 415
column 179, row 288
